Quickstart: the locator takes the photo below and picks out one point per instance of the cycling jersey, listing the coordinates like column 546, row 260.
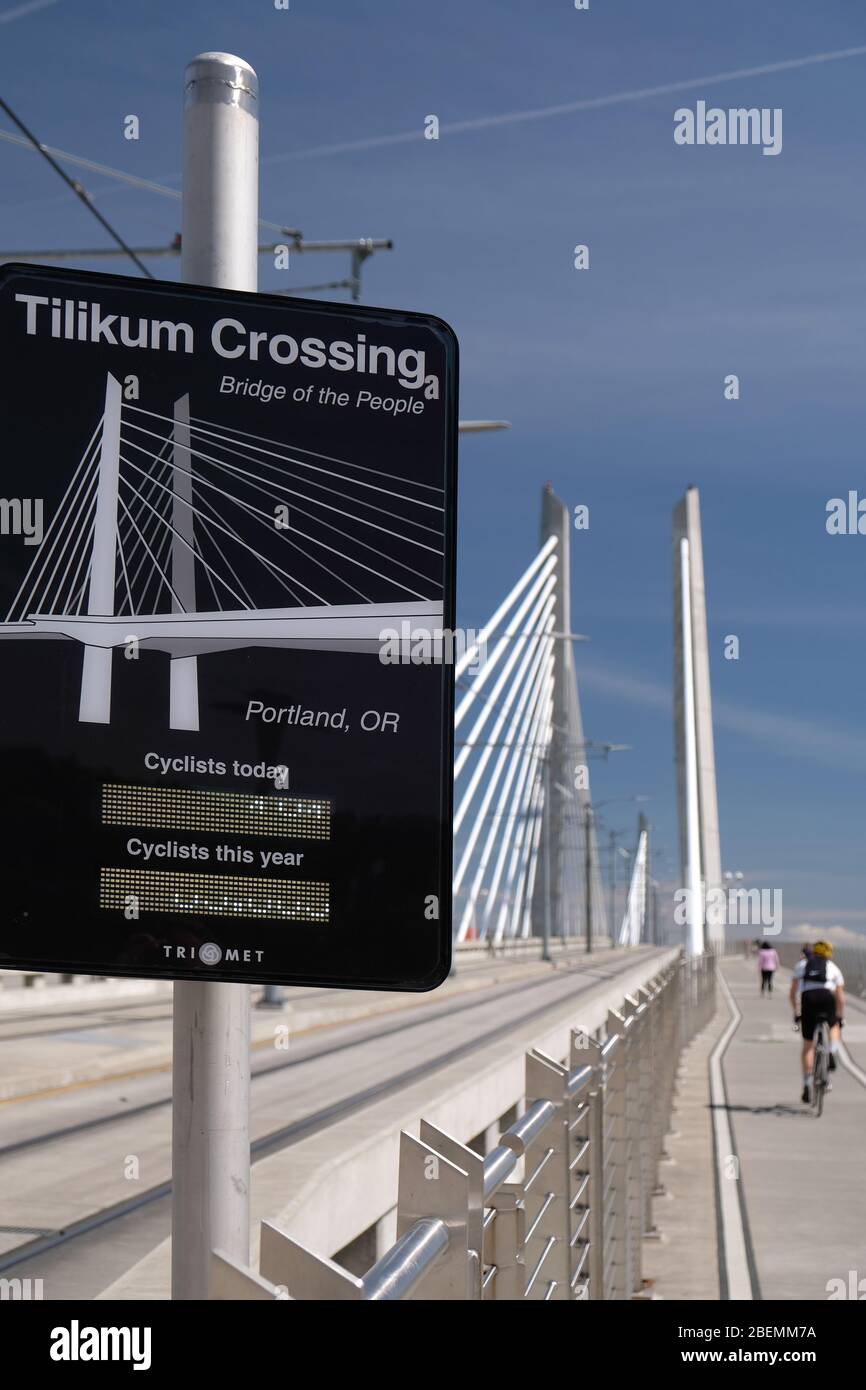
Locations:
column 817, row 973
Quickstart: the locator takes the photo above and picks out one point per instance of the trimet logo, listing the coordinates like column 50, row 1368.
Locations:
column 209, row 953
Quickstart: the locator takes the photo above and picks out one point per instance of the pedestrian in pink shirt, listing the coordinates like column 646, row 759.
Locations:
column 768, row 964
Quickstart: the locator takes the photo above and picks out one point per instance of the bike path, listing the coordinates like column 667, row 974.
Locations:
column 804, row 1197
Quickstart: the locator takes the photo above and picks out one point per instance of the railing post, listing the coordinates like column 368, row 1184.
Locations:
column 668, row 1060
column 430, row 1185
column 589, row 1168
column 634, row 1202
column 661, row 1064
column 646, row 1131
column 547, row 1186
column 308, row 1277
column 506, row 1243
column 472, row 1164
column 621, row 1255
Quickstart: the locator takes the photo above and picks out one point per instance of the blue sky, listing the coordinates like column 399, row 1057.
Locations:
column 704, row 261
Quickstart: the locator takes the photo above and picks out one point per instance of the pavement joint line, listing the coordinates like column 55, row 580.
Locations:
column 735, row 1273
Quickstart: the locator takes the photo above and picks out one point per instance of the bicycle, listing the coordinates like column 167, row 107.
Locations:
column 820, row 1062
column 821, row 1066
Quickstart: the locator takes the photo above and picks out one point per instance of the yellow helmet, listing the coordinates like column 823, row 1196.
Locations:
column 822, row 948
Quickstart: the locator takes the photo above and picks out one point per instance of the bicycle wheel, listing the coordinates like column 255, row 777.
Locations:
column 820, row 1068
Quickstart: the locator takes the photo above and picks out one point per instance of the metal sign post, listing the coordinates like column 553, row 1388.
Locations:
column 210, row 1138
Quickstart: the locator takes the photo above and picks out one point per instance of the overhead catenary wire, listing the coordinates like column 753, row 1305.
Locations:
column 79, row 191
column 119, row 175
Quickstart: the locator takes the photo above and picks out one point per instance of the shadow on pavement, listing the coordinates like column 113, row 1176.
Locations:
column 804, row 1112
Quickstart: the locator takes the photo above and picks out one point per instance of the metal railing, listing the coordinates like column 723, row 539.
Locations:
column 558, row 1209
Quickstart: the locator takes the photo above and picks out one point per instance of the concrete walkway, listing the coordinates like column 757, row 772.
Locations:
column 804, row 1198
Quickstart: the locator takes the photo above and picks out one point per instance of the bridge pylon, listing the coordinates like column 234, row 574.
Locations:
column 560, row 889
column 697, row 803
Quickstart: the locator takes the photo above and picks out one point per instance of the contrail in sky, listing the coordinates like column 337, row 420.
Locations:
column 7, row 16
column 452, row 128
column 568, row 108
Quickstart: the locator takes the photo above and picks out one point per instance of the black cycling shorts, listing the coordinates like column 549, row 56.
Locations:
column 816, row 1004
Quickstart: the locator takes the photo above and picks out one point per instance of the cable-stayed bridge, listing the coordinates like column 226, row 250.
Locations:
column 524, row 837
column 188, row 537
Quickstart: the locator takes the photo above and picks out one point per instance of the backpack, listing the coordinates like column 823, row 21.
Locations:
column 816, row 970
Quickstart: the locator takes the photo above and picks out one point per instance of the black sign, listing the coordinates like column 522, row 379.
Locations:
column 227, row 593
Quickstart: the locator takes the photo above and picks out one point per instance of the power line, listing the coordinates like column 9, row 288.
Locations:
column 134, row 180
column 109, row 172
column 76, row 187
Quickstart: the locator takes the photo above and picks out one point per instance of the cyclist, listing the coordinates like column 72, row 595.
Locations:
column 817, row 991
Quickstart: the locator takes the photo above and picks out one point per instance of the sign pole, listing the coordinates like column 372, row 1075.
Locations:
column 211, row 1076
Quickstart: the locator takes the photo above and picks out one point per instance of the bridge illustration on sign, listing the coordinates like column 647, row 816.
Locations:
column 164, row 510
